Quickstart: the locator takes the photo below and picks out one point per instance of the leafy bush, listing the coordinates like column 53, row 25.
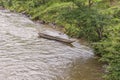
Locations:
column 109, row 49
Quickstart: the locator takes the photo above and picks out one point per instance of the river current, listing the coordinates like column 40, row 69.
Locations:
column 24, row 56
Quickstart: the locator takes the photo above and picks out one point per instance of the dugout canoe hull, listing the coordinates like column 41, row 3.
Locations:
column 57, row 38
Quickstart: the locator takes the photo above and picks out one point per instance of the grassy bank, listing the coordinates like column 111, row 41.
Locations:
column 97, row 21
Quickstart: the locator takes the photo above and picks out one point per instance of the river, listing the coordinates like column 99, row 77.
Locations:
column 24, row 56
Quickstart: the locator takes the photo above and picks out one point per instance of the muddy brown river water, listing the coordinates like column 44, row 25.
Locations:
column 24, row 56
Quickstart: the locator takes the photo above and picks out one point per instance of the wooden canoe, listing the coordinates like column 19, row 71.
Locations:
column 57, row 38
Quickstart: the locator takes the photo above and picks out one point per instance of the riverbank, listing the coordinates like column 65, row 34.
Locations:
column 98, row 24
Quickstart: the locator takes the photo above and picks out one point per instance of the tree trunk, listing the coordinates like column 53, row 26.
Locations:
column 111, row 2
column 100, row 33
column 90, row 3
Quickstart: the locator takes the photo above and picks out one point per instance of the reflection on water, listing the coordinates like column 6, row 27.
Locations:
column 24, row 56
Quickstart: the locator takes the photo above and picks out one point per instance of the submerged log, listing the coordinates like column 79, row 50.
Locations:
column 57, row 38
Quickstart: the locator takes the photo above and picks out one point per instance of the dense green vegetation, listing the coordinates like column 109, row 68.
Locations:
column 97, row 21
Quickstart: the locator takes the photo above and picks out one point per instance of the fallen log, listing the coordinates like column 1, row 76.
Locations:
column 57, row 38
